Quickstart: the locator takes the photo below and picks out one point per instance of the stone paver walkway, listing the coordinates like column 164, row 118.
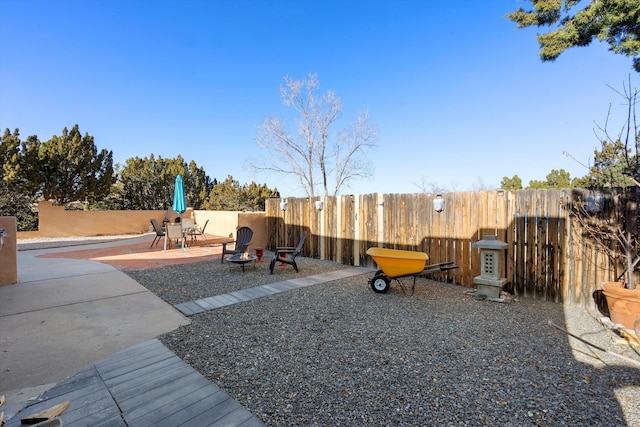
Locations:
column 211, row 303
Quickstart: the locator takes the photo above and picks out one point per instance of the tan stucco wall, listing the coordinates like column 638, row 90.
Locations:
column 225, row 223
column 55, row 221
column 257, row 221
column 9, row 251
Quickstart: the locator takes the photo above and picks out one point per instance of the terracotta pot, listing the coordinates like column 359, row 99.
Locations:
column 624, row 304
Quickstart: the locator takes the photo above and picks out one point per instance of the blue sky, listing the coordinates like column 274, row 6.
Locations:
column 459, row 95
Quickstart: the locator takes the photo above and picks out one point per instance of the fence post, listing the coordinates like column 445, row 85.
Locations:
column 322, row 232
column 380, row 204
column 356, row 231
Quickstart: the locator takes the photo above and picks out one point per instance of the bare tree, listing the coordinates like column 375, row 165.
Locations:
column 426, row 186
column 616, row 174
column 479, row 185
column 312, row 155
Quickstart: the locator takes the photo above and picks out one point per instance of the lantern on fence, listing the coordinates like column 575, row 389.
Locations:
column 594, row 203
column 283, row 206
column 438, row 203
column 319, row 205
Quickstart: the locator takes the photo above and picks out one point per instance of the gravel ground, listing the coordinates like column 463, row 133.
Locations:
column 339, row 354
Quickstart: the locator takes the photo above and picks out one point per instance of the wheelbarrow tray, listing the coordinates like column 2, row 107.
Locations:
column 398, row 263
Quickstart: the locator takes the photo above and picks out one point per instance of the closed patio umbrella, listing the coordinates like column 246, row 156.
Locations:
column 179, row 201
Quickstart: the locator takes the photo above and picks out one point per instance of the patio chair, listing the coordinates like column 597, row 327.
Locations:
column 198, row 231
column 174, row 232
column 187, row 222
column 242, row 242
column 188, row 226
column 159, row 232
column 288, row 255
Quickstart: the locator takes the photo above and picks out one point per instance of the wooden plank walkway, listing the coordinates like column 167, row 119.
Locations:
column 144, row 385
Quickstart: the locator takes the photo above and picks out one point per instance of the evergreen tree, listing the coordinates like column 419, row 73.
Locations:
column 616, row 22
column 514, row 183
column 555, row 179
column 72, row 168
column 610, row 167
column 148, row 183
column 15, row 197
column 231, row 196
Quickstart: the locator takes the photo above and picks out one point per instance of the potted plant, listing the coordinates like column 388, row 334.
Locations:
column 610, row 218
column 623, row 294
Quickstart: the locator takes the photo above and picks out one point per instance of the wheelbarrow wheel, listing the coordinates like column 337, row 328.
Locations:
column 380, row 283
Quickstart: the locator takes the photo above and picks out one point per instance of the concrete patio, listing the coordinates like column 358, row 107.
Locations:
column 68, row 315
column 75, row 328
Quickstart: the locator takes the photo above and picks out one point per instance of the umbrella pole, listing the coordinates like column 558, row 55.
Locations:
column 182, row 232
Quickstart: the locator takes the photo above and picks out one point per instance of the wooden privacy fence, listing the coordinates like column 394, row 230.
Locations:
column 548, row 256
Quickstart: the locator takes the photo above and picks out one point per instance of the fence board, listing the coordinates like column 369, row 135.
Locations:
column 519, row 244
column 347, row 229
column 510, row 238
column 552, row 246
column 440, row 221
column 332, row 228
column 464, row 255
column 368, row 226
column 541, row 237
column 564, row 247
column 458, row 237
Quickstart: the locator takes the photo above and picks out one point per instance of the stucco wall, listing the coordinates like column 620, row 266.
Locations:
column 9, row 253
column 55, row 221
column 257, row 221
column 223, row 223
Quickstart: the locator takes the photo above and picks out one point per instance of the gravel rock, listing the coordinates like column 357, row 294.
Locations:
column 339, row 354
column 188, row 282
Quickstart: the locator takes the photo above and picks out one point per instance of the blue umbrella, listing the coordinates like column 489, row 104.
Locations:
column 179, row 200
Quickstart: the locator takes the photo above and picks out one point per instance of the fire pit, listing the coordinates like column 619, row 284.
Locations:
column 242, row 259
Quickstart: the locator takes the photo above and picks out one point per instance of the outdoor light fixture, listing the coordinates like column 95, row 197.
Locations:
column 438, row 203
column 500, row 192
column 283, row 206
column 594, row 203
column 2, row 234
column 319, row 205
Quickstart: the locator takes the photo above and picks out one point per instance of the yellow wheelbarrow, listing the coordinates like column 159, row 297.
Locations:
column 395, row 264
